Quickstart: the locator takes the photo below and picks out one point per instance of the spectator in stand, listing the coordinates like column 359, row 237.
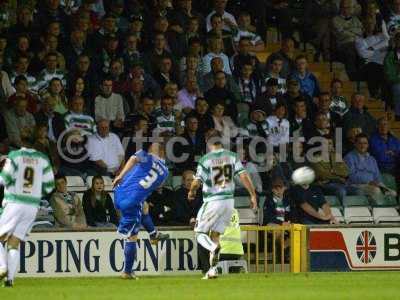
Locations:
column 269, row 99
column 47, row 116
column 105, row 151
column 165, row 73
column 191, row 144
column 215, row 48
column 308, row 82
column 161, row 207
column 201, row 112
column 339, row 102
column 77, row 46
column 331, row 172
column 324, row 104
column 317, row 25
column 117, row 73
column 358, row 116
column 220, row 92
column 22, row 91
column 136, row 28
column 25, row 25
column 42, row 143
column 320, row 129
column 151, row 87
column 391, row 24
column 51, row 45
column 140, row 131
column 350, row 139
column 131, row 54
column 346, row 29
column 22, row 47
column 6, row 89
column 286, row 53
column 228, row 19
column 274, row 71
column 20, row 68
column 280, row 13
column 364, row 173
column 108, row 28
column 182, row 15
column 153, row 56
column 249, row 84
column 56, row 92
column 185, row 210
column 293, row 94
column 190, row 66
column 84, row 70
column 392, row 73
column 78, row 89
column 384, row 147
column 134, row 95
column 312, row 206
column 109, row 106
column 278, row 126
column 147, row 111
column 50, row 72
column 108, row 54
column 207, row 82
column 188, row 95
column 244, row 54
column 76, row 118
column 245, row 29
column 19, row 122
column 166, row 117
column 68, row 210
column 277, row 204
column 372, row 48
column 300, row 122
column 98, row 205
column 223, row 123
column 225, row 35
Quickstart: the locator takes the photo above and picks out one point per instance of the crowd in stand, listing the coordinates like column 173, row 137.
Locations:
column 83, row 80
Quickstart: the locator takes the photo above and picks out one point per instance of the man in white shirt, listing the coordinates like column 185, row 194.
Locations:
column 109, row 105
column 105, row 151
column 228, row 19
column 215, row 46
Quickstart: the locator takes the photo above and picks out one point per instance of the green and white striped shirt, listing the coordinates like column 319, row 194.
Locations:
column 164, row 122
column 216, row 170
column 27, row 176
column 80, row 121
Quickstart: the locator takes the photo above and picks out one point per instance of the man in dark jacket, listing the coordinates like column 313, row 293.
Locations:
column 358, row 116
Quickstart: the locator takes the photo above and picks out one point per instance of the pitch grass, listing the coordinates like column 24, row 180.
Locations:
column 321, row 286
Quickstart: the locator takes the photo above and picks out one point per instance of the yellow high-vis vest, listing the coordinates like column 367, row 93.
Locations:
column 230, row 241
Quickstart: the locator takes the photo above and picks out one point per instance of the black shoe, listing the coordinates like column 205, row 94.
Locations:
column 8, row 284
column 155, row 238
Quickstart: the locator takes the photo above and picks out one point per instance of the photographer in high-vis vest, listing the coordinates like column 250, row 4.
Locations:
column 230, row 241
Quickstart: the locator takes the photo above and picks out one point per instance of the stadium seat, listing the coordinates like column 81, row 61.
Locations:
column 107, row 182
column 358, row 214
column 384, row 201
column 76, row 184
column 389, row 181
column 385, row 215
column 248, row 216
column 349, row 201
column 333, row 201
column 176, row 182
column 242, row 201
column 227, row 266
column 337, row 213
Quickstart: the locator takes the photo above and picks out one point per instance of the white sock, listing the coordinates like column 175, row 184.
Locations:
column 204, row 240
column 12, row 261
column 3, row 257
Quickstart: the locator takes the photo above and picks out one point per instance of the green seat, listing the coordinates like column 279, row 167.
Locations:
column 389, row 181
column 242, row 201
column 333, row 201
column 384, row 201
column 355, row 201
column 176, row 181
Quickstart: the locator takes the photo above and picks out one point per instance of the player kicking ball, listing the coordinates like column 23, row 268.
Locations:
column 27, row 176
column 216, row 171
column 142, row 174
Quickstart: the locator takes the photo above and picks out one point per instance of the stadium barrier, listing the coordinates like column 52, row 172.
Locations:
column 276, row 248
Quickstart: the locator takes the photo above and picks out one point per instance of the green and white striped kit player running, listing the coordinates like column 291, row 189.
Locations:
column 27, row 177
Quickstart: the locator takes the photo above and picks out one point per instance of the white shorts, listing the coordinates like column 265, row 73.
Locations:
column 214, row 216
column 17, row 220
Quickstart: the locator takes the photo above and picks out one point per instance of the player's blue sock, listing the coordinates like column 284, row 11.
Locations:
column 148, row 224
column 130, row 255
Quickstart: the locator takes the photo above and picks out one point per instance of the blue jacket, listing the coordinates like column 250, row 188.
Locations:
column 363, row 168
column 308, row 85
column 385, row 152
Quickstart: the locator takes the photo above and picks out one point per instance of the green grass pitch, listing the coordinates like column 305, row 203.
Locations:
column 307, row 286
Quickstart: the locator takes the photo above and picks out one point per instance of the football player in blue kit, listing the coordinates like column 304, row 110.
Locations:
column 142, row 174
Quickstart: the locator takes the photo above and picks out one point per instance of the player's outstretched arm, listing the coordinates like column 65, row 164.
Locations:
column 248, row 184
column 193, row 189
column 133, row 160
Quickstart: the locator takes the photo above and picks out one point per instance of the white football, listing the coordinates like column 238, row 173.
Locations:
column 303, row 175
